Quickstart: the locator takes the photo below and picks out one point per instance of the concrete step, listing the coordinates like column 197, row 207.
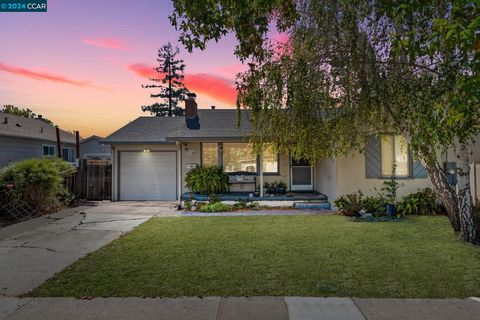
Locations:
column 316, row 205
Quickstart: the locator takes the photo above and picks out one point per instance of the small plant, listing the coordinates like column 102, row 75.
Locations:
column 216, row 207
column 423, row 202
column 374, row 204
column 207, row 180
column 390, row 187
column 281, row 187
column 350, row 204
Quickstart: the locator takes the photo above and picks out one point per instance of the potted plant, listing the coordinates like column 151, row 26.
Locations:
column 281, row 187
column 266, row 185
column 390, row 188
column 272, row 188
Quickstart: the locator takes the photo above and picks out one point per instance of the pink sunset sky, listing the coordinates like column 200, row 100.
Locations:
column 82, row 63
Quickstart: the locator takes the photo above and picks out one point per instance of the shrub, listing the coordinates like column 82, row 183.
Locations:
column 216, row 207
column 39, row 182
column 423, row 202
column 476, row 217
column 349, row 204
column 374, row 204
column 207, row 180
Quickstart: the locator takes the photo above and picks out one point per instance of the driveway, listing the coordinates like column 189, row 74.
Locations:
column 33, row 251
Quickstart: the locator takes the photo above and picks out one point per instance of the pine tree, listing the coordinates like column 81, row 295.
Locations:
column 172, row 88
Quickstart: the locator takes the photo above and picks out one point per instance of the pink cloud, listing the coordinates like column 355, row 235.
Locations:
column 109, row 43
column 43, row 76
column 216, row 87
column 232, row 70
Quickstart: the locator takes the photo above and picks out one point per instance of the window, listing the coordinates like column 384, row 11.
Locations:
column 270, row 160
column 48, row 151
column 394, row 150
column 68, row 154
column 209, row 154
column 238, row 157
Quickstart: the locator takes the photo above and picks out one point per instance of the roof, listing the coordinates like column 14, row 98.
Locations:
column 93, row 137
column 21, row 127
column 214, row 125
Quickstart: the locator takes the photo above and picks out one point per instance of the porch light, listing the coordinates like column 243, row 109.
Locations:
column 146, row 150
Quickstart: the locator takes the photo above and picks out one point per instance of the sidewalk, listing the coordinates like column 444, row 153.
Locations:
column 252, row 308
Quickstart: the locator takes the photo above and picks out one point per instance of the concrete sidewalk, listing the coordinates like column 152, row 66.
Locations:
column 241, row 308
column 34, row 250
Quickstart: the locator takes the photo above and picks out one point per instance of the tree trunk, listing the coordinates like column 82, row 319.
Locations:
column 445, row 192
column 443, row 189
column 468, row 231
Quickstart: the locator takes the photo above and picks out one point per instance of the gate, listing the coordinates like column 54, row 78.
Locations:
column 92, row 181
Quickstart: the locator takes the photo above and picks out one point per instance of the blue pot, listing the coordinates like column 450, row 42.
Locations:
column 390, row 210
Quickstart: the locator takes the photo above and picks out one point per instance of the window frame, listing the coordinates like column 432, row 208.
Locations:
column 49, row 146
column 73, row 153
column 409, row 159
column 220, row 160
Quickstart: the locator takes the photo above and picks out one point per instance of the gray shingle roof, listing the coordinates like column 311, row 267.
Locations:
column 21, row 127
column 214, row 124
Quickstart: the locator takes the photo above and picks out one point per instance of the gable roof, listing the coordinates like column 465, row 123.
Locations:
column 16, row 126
column 93, row 137
column 214, row 125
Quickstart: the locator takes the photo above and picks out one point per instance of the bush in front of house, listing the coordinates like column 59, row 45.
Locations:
column 216, row 207
column 38, row 182
column 207, row 180
column 423, row 202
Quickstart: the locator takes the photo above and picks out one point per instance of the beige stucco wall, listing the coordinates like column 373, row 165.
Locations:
column 326, row 177
column 351, row 178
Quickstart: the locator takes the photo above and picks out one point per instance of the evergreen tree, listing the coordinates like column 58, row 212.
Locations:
column 170, row 82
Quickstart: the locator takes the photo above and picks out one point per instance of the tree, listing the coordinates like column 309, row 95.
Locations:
column 171, row 85
column 22, row 112
column 355, row 68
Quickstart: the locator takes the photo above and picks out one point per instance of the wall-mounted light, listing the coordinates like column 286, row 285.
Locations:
column 146, row 150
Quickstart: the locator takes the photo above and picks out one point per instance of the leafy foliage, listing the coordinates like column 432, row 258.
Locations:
column 172, row 89
column 349, row 204
column 207, row 180
column 39, row 182
column 216, row 207
column 23, row 112
column 423, row 202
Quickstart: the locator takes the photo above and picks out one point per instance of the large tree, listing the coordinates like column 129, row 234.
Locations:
column 355, row 68
column 170, row 81
column 23, row 112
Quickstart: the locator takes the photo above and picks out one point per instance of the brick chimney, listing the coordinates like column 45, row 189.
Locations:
column 191, row 112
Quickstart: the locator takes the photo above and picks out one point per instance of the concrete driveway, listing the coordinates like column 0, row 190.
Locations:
column 33, row 251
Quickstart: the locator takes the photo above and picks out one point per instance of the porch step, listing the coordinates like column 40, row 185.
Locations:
column 316, row 205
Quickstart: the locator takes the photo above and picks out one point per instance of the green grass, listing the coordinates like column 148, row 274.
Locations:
column 277, row 255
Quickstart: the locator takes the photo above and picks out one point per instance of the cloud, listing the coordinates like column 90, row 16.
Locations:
column 216, row 87
column 109, row 43
column 231, row 71
column 43, row 76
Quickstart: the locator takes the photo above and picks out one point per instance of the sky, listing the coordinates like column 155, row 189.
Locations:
column 82, row 63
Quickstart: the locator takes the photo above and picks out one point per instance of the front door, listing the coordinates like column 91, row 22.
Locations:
column 301, row 175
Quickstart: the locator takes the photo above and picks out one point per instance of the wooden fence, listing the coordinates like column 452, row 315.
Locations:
column 92, row 181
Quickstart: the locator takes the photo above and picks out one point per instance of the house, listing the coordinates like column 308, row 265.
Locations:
column 24, row 138
column 92, row 148
column 151, row 156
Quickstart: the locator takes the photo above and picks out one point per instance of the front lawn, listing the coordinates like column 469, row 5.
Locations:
column 277, row 255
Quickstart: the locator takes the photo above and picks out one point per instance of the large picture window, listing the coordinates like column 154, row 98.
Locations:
column 238, row 157
column 270, row 160
column 209, row 154
column 394, row 150
column 68, row 154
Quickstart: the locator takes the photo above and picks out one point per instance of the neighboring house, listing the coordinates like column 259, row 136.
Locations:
column 24, row 138
column 93, row 148
column 151, row 156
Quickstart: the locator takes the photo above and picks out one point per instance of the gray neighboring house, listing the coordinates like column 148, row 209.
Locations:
column 24, row 138
column 94, row 148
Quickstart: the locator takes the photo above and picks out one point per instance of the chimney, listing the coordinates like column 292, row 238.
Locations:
column 191, row 112
column 212, row 107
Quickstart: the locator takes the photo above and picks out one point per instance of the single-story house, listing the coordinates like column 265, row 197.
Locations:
column 93, row 148
column 24, row 138
column 151, row 156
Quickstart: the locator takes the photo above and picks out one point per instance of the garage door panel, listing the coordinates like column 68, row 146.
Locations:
column 148, row 176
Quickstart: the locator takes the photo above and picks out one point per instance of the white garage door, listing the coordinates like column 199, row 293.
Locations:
column 148, row 176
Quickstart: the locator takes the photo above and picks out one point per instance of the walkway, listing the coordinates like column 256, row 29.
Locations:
column 253, row 308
